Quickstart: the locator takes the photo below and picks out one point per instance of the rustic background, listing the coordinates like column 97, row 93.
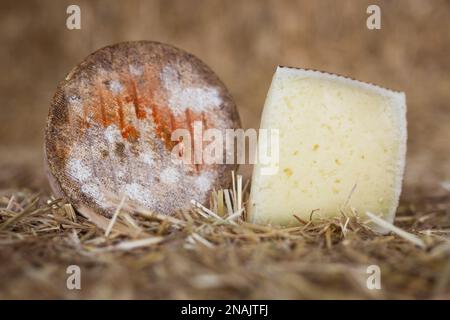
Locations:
column 242, row 41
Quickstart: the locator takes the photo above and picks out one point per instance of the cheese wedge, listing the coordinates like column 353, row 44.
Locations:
column 342, row 146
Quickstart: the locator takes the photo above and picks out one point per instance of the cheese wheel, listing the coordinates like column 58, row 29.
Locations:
column 110, row 126
column 342, row 146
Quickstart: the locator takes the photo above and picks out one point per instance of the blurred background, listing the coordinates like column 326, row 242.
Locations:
column 243, row 42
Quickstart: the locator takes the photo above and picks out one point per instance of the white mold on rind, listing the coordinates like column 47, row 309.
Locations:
column 109, row 129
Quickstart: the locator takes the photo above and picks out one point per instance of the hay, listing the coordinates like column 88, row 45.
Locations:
column 214, row 253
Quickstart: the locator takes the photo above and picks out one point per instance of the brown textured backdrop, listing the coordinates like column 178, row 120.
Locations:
column 242, row 41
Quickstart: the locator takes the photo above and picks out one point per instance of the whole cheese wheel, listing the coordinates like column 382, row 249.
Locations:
column 341, row 149
column 110, row 126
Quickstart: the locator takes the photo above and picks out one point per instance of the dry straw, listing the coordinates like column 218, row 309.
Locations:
column 213, row 252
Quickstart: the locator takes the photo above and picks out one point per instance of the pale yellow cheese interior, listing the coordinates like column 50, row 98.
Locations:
column 335, row 135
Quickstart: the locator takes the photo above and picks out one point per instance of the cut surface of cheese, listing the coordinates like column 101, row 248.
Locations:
column 342, row 146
